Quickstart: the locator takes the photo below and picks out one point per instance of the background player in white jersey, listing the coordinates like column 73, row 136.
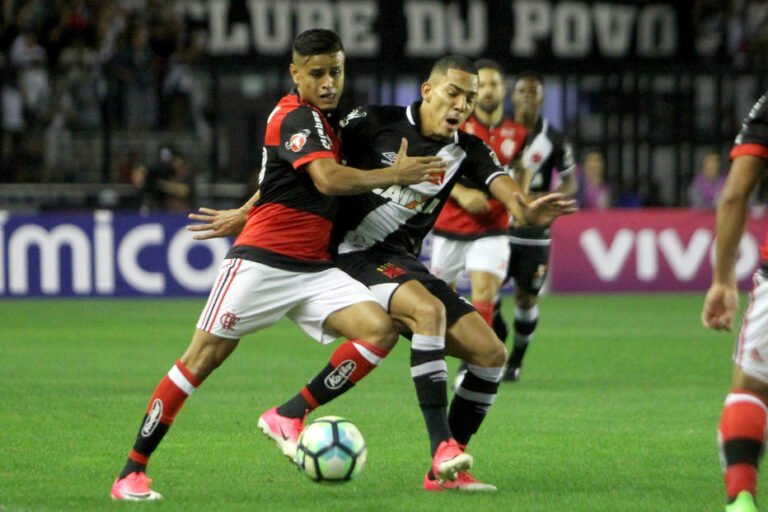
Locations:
column 274, row 269
column 470, row 232
column 741, row 435
column 546, row 151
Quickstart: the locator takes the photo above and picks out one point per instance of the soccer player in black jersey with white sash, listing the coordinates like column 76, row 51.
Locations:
column 547, row 153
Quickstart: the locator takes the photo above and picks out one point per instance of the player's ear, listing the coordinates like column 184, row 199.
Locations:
column 294, row 70
column 426, row 91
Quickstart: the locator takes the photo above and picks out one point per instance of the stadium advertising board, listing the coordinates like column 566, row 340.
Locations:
column 104, row 254
column 401, row 32
column 644, row 250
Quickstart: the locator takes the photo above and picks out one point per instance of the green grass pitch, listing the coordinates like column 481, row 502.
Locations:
column 617, row 411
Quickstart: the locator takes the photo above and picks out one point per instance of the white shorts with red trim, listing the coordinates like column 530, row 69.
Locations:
column 451, row 257
column 249, row 296
column 751, row 351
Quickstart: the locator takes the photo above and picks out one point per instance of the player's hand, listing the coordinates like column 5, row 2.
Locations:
column 542, row 211
column 720, row 305
column 472, row 200
column 410, row 170
column 217, row 223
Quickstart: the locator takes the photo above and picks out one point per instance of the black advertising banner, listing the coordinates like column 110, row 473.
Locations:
column 405, row 33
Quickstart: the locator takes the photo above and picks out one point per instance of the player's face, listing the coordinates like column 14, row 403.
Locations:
column 527, row 97
column 319, row 78
column 448, row 102
column 491, row 90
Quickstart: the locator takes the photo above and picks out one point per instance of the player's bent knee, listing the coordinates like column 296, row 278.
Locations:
column 380, row 331
column 493, row 355
column 429, row 314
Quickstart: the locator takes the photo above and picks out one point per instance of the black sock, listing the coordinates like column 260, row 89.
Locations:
column 430, row 374
column 472, row 401
column 526, row 321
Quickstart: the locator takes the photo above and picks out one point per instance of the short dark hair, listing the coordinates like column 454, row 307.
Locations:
column 317, row 41
column 529, row 75
column 453, row 62
column 489, row 64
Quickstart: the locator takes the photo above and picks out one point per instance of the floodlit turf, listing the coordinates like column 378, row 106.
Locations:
column 617, row 411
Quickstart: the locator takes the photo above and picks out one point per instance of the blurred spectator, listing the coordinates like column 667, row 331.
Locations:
column 706, row 185
column 12, row 122
column 83, row 84
column 595, row 191
column 133, row 68
column 30, row 59
column 167, row 186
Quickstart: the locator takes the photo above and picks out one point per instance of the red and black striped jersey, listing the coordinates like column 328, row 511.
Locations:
column 289, row 227
column 397, row 218
column 506, row 139
column 753, row 140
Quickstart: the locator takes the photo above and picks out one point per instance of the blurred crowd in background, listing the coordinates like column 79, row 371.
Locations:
column 75, row 70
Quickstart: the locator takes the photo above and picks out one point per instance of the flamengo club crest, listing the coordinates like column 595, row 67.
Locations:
column 228, row 321
column 297, row 141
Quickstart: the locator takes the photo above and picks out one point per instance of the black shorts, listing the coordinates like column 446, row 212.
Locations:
column 383, row 273
column 528, row 266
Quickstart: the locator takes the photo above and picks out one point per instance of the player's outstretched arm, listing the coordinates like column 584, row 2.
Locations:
column 221, row 223
column 334, row 179
column 721, row 300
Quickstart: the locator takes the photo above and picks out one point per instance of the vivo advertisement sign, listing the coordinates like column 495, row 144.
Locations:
column 103, row 253
column 644, row 250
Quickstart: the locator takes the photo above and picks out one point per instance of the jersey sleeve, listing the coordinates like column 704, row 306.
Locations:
column 753, row 137
column 565, row 161
column 482, row 165
column 303, row 138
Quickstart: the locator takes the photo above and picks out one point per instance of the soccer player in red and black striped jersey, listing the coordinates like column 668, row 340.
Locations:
column 741, row 434
column 470, row 234
column 280, row 265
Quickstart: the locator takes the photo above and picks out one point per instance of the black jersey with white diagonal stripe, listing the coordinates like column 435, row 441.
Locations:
column 546, row 150
column 397, row 218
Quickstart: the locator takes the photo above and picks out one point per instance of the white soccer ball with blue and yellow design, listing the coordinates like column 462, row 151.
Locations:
column 331, row 449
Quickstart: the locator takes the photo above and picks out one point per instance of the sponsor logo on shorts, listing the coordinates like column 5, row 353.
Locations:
column 297, row 141
column 153, row 418
column 228, row 321
column 340, row 375
column 390, row 270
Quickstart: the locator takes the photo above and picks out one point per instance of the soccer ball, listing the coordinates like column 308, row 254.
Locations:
column 331, row 449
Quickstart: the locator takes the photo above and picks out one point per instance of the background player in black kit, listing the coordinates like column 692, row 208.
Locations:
column 741, row 434
column 546, row 151
column 380, row 235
